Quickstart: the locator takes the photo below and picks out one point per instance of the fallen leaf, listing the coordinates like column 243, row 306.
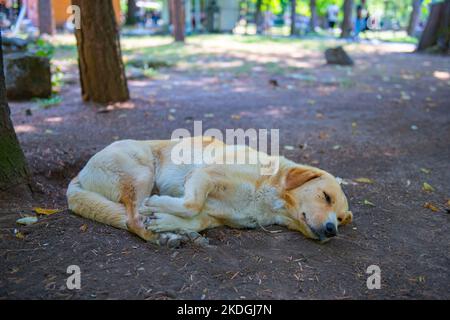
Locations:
column 19, row 235
column 235, row 117
column 46, row 212
column 427, row 187
column 368, row 203
column 425, row 170
column 83, row 228
column 171, row 118
column 26, row 221
column 364, row 180
column 431, row 206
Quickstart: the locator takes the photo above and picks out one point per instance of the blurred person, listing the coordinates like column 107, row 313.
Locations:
column 360, row 22
column 332, row 15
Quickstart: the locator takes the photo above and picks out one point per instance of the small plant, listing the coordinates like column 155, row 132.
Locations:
column 54, row 100
column 43, row 48
column 150, row 72
column 57, row 79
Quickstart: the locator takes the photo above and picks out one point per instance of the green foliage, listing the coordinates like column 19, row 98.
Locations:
column 43, row 48
column 50, row 102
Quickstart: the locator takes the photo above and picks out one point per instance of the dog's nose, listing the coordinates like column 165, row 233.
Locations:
column 330, row 230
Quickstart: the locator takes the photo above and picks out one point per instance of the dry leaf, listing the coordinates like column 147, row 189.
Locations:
column 236, row 117
column 364, row 180
column 46, row 212
column 83, row 228
column 431, row 206
column 323, row 135
column 19, row 235
column 427, row 187
column 171, row 118
column 368, row 203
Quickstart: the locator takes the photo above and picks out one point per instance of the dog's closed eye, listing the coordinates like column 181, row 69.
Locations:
column 327, row 197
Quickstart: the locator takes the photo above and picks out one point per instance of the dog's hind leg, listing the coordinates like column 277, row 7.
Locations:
column 133, row 192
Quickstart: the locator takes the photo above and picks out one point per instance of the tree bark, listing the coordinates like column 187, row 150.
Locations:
column 102, row 73
column 313, row 20
column 347, row 24
column 178, row 20
column 293, row 16
column 131, row 19
column 415, row 17
column 46, row 17
column 437, row 29
column 13, row 167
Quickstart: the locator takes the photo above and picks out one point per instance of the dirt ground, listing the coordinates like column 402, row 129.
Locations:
column 386, row 119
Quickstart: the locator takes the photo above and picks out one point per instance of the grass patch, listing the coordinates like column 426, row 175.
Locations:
column 49, row 102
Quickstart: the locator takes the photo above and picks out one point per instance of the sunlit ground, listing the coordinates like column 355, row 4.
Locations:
column 237, row 54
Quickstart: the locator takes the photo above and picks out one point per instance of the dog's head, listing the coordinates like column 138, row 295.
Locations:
column 315, row 202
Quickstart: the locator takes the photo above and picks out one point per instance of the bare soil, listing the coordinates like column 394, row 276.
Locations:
column 386, row 119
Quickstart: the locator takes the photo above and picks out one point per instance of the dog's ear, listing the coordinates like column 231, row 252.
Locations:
column 299, row 176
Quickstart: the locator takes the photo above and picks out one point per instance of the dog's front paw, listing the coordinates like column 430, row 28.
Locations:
column 162, row 222
column 152, row 204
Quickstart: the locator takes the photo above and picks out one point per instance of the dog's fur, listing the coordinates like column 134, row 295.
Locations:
column 134, row 185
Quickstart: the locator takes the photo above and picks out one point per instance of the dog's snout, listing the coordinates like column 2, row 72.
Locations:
column 330, row 230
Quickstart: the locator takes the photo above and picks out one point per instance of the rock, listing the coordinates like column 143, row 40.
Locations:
column 27, row 76
column 11, row 45
column 338, row 56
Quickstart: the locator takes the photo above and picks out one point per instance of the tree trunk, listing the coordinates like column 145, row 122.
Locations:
column 437, row 31
column 13, row 167
column 258, row 17
column 102, row 73
column 178, row 19
column 415, row 17
column 313, row 20
column 46, row 17
column 131, row 19
column 347, row 24
column 293, row 16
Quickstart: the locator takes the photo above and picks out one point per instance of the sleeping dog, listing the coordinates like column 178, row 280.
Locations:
column 136, row 185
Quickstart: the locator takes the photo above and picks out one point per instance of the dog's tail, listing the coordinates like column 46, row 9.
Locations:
column 94, row 206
